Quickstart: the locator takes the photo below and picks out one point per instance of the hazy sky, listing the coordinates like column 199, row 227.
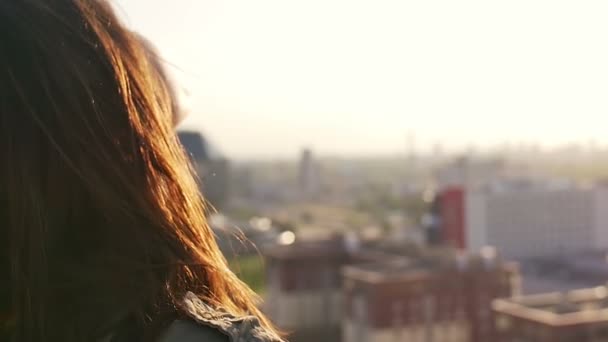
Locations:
column 354, row 76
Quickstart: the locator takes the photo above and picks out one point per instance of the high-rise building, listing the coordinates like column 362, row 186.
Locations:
column 443, row 298
column 576, row 316
column 309, row 175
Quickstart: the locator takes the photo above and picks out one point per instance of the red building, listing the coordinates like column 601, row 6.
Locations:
column 452, row 216
column 438, row 297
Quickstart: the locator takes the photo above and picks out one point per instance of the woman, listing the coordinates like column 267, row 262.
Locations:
column 103, row 233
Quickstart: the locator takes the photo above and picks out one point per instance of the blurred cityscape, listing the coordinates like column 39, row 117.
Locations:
column 509, row 244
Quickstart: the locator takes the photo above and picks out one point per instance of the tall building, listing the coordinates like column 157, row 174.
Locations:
column 451, row 208
column 526, row 222
column 444, row 298
column 212, row 168
column 309, row 175
column 576, row 316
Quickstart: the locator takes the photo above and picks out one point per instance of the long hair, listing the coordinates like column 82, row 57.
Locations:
column 100, row 215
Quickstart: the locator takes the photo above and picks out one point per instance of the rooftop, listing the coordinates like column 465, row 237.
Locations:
column 559, row 309
column 309, row 250
column 427, row 262
column 397, row 269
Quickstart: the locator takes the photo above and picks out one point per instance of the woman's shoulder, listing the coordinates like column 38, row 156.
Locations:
column 190, row 331
column 215, row 325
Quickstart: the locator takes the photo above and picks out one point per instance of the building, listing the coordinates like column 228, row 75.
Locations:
column 212, row 168
column 576, row 316
column 525, row 221
column 451, row 208
column 433, row 298
column 304, row 286
column 303, row 290
column 565, row 273
column 309, row 175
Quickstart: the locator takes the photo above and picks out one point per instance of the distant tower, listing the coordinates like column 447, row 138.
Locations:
column 308, row 175
column 411, row 150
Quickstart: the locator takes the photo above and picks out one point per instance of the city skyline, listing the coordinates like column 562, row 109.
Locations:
column 353, row 78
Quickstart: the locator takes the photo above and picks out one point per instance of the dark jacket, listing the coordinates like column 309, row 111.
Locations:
column 206, row 324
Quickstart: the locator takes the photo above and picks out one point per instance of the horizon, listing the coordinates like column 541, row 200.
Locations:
column 356, row 78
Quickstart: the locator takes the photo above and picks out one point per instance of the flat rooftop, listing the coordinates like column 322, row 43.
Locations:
column 559, row 309
column 399, row 268
column 308, row 250
column 396, row 269
column 335, row 247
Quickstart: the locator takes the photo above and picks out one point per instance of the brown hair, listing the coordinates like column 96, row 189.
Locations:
column 159, row 70
column 99, row 209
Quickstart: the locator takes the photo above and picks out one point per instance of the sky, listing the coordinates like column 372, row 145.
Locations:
column 357, row 77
